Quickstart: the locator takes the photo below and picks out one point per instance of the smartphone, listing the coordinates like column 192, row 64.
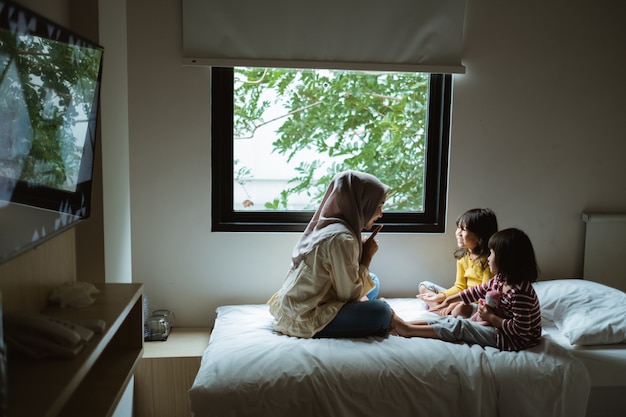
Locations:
column 375, row 232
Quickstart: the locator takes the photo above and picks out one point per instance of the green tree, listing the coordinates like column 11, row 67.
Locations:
column 375, row 122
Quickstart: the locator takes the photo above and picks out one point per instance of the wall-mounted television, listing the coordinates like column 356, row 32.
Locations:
column 49, row 96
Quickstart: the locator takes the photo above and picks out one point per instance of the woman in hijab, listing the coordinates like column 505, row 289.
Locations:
column 329, row 291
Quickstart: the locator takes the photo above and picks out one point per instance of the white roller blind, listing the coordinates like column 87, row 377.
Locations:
column 396, row 35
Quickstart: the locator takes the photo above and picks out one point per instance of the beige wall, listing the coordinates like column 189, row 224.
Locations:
column 537, row 135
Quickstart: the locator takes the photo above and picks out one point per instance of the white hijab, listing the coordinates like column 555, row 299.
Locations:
column 350, row 202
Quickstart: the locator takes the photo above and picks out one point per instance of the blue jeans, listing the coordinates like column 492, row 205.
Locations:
column 360, row 319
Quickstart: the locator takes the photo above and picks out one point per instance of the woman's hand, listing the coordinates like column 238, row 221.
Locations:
column 370, row 247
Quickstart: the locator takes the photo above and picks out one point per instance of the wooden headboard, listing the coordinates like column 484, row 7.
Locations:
column 605, row 249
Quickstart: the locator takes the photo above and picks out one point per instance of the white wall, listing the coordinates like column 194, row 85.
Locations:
column 537, row 135
column 114, row 142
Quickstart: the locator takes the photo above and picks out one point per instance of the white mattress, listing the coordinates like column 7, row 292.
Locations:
column 606, row 364
column 249, row 370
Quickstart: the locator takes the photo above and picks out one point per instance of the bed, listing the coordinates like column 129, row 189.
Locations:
column 578, row 369
column 588, row 319
column 248, row 369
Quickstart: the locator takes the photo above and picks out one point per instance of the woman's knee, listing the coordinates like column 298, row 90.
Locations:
column 380, row 310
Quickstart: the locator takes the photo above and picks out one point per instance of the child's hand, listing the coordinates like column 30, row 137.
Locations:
column 483, row 309
column 441, row 306
column 488, row 314
column 430, row 297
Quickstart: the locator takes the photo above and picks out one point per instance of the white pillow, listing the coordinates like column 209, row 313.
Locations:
column 588, row 313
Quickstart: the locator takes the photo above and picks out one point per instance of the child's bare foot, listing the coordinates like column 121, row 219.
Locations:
column 398, row 326
column 462, row 310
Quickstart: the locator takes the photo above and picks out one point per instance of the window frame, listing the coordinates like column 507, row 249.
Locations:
column 225, row 219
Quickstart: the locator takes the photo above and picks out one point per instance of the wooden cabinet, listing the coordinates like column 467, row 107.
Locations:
column 92, row 383
column 167, row 371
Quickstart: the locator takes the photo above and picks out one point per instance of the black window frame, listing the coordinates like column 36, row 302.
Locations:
column 225, row 219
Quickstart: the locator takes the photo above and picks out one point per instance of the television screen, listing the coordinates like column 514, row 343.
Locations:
column 49, row 94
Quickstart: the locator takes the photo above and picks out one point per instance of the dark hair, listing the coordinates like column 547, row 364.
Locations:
column 515, row 256
column 483, row 223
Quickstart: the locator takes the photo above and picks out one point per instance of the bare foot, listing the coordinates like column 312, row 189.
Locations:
column 398, row 326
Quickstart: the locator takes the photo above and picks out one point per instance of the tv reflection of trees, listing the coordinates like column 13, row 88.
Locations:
column 54, row 83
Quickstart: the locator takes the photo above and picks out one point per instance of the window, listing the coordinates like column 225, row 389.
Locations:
column 413, row 163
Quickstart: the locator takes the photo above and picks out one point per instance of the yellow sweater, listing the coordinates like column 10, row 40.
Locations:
column 469, row 273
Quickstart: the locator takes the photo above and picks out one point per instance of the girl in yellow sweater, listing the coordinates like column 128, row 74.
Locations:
column 473, row 230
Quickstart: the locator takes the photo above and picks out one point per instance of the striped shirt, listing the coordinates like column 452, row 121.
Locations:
column 519, row 308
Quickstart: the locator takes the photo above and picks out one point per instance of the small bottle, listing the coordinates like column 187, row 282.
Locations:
column 492, row 299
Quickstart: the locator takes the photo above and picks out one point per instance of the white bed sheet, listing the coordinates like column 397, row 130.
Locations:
column 606, row 364
column 250, row 370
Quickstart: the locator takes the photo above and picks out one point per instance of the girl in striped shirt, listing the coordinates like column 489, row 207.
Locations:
column 515, row 324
